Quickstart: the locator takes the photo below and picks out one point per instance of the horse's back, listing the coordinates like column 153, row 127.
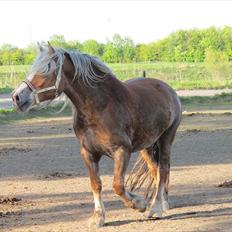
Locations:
column 145, row 84
column 155, row 91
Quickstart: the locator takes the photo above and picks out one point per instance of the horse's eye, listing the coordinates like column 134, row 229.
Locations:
column 49, row 67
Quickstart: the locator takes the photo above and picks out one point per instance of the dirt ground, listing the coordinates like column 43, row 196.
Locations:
column 44, row 185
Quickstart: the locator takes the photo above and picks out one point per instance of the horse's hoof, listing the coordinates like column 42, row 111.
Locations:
column 165, row 206
column 157, row 213
column 157, row 209
column 96, row 220
column 96, row 223
column 140, row 204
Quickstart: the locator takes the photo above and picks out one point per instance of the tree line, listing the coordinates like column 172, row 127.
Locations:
column 181, row 46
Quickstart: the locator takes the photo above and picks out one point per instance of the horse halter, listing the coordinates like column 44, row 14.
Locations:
column 36, row 92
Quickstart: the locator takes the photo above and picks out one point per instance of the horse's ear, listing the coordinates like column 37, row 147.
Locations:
column 51, row 50
column 40, row 47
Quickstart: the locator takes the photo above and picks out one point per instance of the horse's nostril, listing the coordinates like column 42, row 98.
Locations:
column 17, row 98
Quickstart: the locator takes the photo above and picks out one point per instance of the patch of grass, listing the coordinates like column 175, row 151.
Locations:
column 14, row 68
column 218, row 102
column 11, row 76
column 6, row 111
column 6, row 90
column 12, row 116
column 217, row 99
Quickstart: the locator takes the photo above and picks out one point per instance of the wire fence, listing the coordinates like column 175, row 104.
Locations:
column 12, row 75
column 178, row 75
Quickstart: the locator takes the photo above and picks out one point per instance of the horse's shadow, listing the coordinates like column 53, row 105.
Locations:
column 186, row 215
column 128, row 221
column 198, row 199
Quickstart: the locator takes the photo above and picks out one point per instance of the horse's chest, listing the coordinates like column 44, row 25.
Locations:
column 97, row 141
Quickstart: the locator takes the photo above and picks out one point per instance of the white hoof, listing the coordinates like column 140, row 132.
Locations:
column 157, row 209
column 97, row 220
column 165, row 205
column 140, row 204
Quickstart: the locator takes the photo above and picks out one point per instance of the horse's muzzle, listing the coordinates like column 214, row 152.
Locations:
column 21, row 100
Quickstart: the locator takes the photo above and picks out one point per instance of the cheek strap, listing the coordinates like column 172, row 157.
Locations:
column 35, row 92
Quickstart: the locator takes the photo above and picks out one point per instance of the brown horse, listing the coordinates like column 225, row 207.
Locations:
column 111, row 118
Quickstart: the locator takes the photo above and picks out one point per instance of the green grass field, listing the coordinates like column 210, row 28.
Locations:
column 178, row 75
column 11, row 76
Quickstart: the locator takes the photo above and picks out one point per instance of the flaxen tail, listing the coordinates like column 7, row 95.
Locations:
column 140, row 176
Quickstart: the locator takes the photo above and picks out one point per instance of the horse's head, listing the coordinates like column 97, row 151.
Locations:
column 43, row 83
column 53, row 72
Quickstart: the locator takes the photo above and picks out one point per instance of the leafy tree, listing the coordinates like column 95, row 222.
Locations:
column 128, row 50
column 7, row 54
column 58, row 41
column 74, row 45
column 117, row 43
column 110, row 53
column 30, row 53
column 92, row 47
column 182, row 46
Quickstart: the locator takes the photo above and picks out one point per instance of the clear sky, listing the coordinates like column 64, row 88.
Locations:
column 22, row 22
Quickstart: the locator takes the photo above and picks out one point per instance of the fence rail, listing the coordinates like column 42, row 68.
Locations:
column 11, row 80
column 178, row 75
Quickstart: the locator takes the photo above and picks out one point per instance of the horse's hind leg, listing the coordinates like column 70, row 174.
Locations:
column 91, row 162
column 121, row 160
column 160, row 201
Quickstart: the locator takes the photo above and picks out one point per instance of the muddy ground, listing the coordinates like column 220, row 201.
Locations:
column 44, row 185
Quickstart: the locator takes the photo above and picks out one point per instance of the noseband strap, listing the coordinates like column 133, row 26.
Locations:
column 36, row 92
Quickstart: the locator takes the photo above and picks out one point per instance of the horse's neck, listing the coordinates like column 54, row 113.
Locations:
column 89, row 99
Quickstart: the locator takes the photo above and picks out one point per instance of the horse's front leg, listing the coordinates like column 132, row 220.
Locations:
column 91, row 162
column 121, row 160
